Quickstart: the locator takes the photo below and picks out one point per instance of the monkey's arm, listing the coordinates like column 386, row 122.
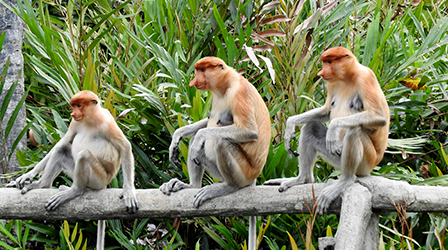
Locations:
column 186, row 131
column 232, row 133
column 127, row 163
column 366, row 119
column 321, row 114
column 64, row 142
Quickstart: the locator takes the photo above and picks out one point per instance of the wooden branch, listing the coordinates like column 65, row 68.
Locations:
column 259, row 200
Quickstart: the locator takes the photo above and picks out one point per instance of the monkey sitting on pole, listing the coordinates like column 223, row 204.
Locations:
column 356, row 137
column 90, row 153
column 232, row 143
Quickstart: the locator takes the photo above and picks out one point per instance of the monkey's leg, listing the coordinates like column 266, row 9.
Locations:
column 58, row 160
column 88, row 172
column 231, row 163
column 312, row 142
column 195, row 170
column 351, row 158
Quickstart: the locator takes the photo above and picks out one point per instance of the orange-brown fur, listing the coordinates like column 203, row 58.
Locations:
column 350, row 76
column 356, row 136
column 90, row 153
column 232, row 143
column 246, row 104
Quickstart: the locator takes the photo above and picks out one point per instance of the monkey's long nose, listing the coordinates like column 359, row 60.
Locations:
column 192, row 83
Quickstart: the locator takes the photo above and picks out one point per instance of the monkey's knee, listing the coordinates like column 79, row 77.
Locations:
column 84, row 155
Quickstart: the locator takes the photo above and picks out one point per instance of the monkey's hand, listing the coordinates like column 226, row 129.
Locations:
column 130, row 199
column 23, row 180
column 334, row 145
column 174, row 149
column 290, row 135
column 197, row 146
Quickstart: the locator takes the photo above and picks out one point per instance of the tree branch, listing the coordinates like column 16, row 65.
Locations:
column 259, row 200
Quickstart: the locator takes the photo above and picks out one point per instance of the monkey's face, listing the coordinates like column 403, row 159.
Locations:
column 327, row 71
column 209, row 71
column 199, row 80
column 77, row 111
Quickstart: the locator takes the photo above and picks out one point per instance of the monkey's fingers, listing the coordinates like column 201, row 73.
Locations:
column 288, row 141
column 294, row 153
column 176, row 162
column 212, row 191
column 23, row 180
column 129, row 200
column 333, row 147
column 274, row 182
column 290, row 182
column 173, row 157
column 54, row 202
column 131, row 205
column 12, row 184
column 173, row 185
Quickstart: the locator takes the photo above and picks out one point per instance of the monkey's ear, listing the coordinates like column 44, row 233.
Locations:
column 220, row 65
column 95, row 101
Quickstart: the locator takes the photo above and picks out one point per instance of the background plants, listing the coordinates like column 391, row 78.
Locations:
column 139, row 55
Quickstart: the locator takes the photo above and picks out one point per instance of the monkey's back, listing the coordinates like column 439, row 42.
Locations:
column 243, row 107
column 258, row 150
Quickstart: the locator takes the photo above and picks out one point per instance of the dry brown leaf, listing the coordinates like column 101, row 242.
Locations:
column 271, row 32
column 275, row 19
column 270, row 5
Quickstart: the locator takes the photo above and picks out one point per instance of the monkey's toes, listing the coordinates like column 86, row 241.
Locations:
column 52, row 204
column 199, row 198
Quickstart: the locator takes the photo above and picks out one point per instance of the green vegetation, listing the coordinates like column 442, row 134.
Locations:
column 139, row 55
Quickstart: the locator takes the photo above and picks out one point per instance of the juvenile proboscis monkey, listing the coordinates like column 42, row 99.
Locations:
column 90, row 153
column 356, row 137
column 232, row 143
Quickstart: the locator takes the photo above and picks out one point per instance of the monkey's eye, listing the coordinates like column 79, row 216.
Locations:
column 202, row 70
column 330, row 61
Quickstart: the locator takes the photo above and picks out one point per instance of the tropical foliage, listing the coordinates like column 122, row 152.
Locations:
column 139, row 55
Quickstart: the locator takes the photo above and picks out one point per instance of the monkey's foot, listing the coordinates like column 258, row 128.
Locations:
column 172, row 186
column 212, row 191
column 329, row 194
column 30, row 186
column 61, row 197
column 286, row 183
column 12, row 184
column 278, row 181
column 63, row 187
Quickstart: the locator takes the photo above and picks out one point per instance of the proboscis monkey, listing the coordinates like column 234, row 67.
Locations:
column 90, row 153
column 232, row 143
column 356, row 137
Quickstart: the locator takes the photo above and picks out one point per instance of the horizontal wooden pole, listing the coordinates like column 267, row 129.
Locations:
column 259, row 200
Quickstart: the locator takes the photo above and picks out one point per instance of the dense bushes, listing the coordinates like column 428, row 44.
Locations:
column 138, row 57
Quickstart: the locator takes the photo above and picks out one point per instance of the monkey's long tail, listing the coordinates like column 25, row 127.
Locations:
column 252, row 232
column 252, row 227
column 101, row 231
